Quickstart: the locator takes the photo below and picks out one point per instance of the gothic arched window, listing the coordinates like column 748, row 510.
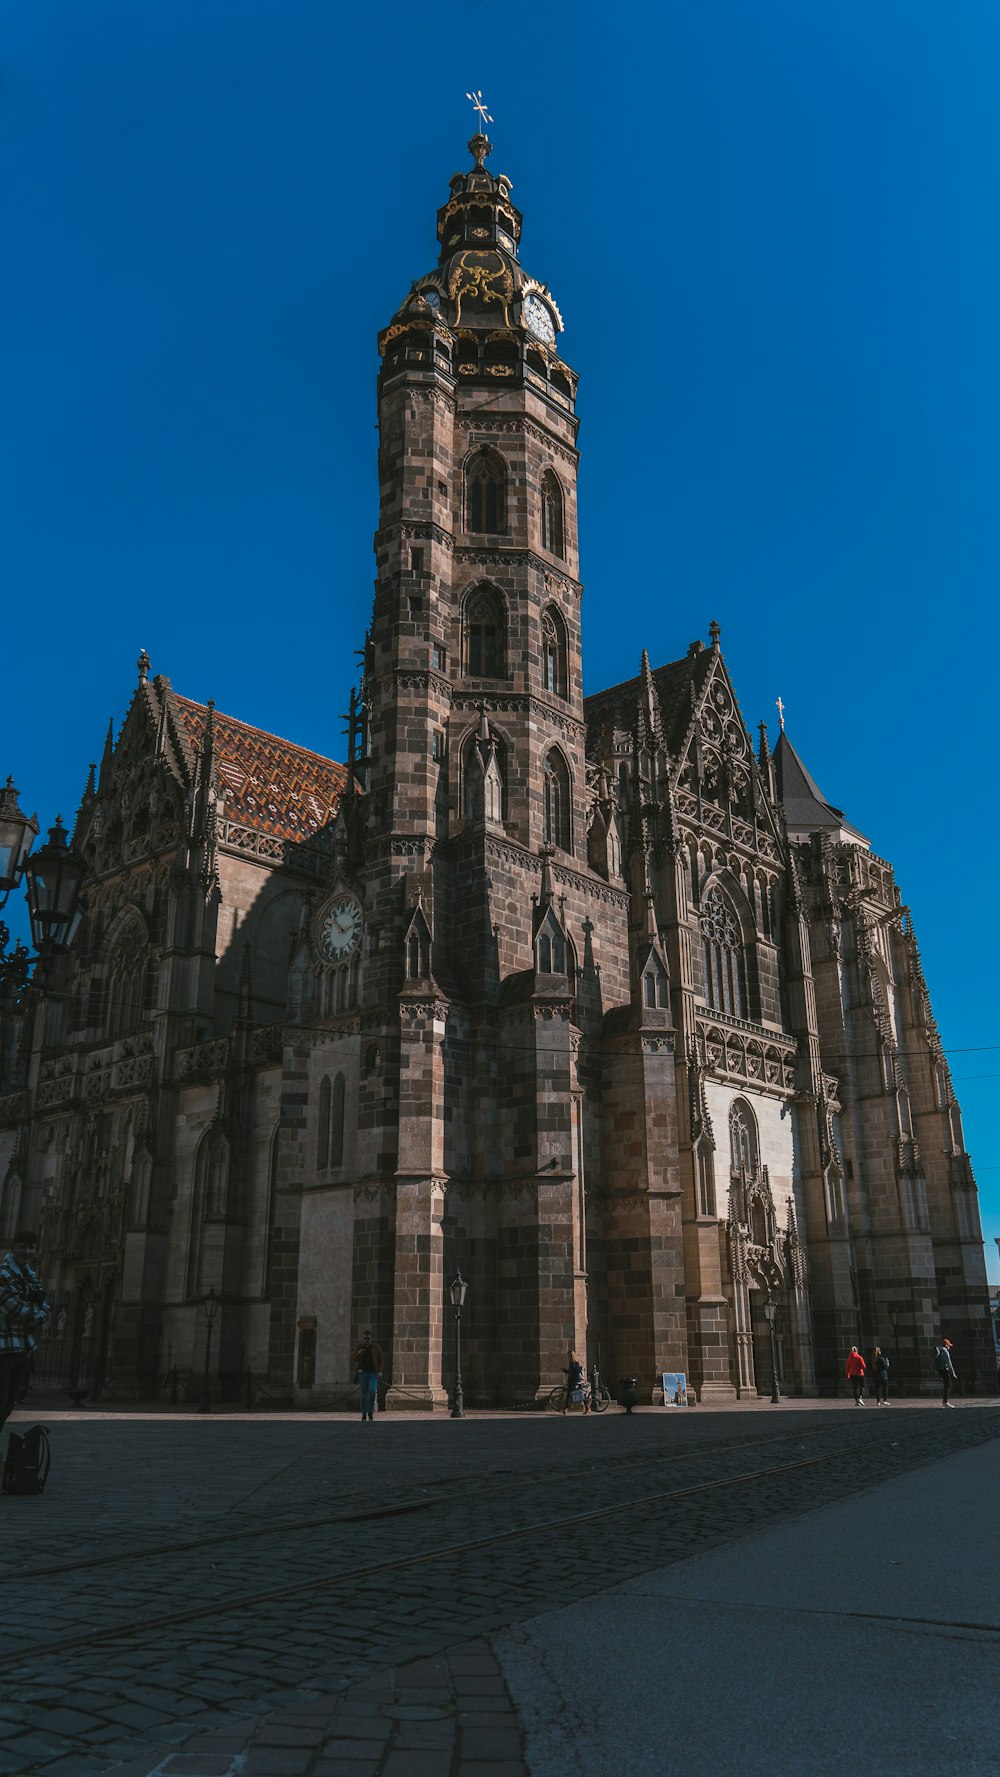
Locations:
column 744, row 1150
column 552, row 514
column 323, row 1126
column 722, row 948
column 555, row 802
column 130, row 980
column 485, row 635
column 553, row 653
column 486, row 491
column 337, row 1122
column 706, row 1180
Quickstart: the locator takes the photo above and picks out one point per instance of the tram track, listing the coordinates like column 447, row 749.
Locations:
column 529, row 1481
column 370, row 1574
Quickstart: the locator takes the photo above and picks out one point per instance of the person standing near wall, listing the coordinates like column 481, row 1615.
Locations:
column 880, row 1371
column 946, row 1371
column 368, row 1365
column 856, row 1375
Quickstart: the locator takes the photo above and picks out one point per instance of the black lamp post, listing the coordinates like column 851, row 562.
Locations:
column 53, row 878
column 770, row 1310
column 212, row 1306
column 457, row 1292
column 894, row 1324
column 17, row 831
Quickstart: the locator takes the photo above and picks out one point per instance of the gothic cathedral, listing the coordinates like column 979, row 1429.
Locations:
column 595, row 1000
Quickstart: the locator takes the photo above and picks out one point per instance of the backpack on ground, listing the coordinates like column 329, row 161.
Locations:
column 26, row 1468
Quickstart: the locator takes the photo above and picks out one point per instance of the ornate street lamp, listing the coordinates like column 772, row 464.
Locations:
column 894, row 1324
column 54, row 876
column 457, row 1292
column 212, row 1304
column 770, row 1310
column 17, row 832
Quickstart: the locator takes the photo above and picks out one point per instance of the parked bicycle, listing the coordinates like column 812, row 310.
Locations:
column 595, row 1395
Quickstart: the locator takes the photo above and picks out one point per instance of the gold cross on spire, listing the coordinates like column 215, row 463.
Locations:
column 476, row 101
column 781, row 713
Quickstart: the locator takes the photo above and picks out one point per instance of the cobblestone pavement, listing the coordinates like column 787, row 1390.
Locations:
column 310, row 1597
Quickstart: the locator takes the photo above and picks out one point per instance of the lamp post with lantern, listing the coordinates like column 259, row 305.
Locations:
column 17, row 833
column 770, row 1310
column 211, row 1306
column 457, row 1291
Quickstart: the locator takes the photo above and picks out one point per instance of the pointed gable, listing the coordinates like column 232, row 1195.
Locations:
column 806, row 808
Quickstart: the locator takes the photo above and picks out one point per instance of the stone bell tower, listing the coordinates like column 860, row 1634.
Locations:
column 475, row 768
column 477, row 596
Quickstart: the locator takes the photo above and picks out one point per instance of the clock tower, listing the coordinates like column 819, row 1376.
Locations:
column 485, row 924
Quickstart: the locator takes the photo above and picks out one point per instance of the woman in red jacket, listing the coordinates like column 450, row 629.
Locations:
column 856, row 1375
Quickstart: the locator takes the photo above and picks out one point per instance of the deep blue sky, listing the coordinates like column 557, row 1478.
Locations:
column 772, row 231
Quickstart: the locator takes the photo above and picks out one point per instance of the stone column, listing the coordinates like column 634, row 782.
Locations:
column 420, row 1283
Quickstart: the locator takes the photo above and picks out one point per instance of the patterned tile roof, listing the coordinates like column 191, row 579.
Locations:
column 268, row 784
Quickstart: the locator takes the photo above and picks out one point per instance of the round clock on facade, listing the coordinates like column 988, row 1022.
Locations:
column 537, row 319
column 340, row 929
column 432, row 298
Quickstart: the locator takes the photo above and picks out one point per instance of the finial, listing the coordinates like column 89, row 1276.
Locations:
column 143, row 663
column 715, row 632
column 479, row 106
column 781, row 713
column 479, row 147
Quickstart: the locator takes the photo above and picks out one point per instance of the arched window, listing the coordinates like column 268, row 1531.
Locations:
column 706, row 1180
column 337, row 1123
column 485, row 635
column 323, row 1126
column 552, row 514
column 130, row 985
column 553, row 653
column 743, row 1141
column 486, row 488
column 555, row 802
column 722, row 947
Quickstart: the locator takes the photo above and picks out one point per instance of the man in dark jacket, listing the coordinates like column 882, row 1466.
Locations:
column 23, row 1309
column 946, row 1371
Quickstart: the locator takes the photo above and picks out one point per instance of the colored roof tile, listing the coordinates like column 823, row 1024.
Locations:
column 267, row 783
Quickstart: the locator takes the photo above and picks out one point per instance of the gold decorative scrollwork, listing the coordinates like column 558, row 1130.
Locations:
column 485, row 278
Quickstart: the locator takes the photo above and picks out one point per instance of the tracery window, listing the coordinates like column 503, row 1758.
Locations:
column 722, row 948
column 744, row 1151
column 555, row 802
column 552, row 514
column 553, row 653
column 486, row 487
column 485, row 636
column 129, row 988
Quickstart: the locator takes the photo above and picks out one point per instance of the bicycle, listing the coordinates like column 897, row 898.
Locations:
column 595, row 1395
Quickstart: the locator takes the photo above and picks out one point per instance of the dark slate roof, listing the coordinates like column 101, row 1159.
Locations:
column 616, row 707
column 804, row 802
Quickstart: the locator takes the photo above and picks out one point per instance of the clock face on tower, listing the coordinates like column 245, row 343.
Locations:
column 340, row 927
column 538, row 319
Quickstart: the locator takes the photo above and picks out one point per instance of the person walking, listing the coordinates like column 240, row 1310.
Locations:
column 23, row 1309
column 946, row 1371
column 368, row 1368
column 880, row 1370
column 856, row 1375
